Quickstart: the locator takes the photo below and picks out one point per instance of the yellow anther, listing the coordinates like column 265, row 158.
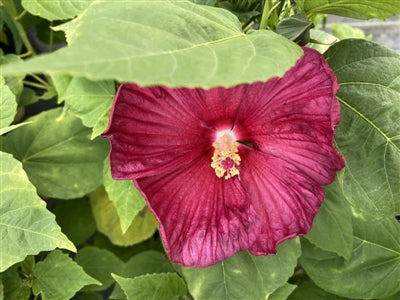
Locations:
column 226, row 158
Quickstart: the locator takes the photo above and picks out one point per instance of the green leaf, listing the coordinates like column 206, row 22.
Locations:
column 165, row 286
column 320, row 40
column 295, row 28
column 58, row 155
column 58, row 277
column 126, row 198
column 369, row 132
column 56, row 9
column 107, row 221
column 365, row 9
column 26, row 226
column 89, row 100
column 8, row 105
column 310, row 291
column 28, row 96
column 344, row 31
column 89, row 296
column 244, row 276
column 205, row 2
column 15, row 288
column 283, row 292
column 8, row 20
column 207, row 49
column 332, row 227
column 99, row 263
column 12, row 127
column 14, row 82
column 146, row 262
column 373, row 270
column 77, row 227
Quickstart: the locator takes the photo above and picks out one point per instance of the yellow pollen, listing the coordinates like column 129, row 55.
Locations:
column 226, row 158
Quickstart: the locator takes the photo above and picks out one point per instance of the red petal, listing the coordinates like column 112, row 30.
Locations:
column 285, row 200
column 156, row 129
column 203, row 219
column 294, row 118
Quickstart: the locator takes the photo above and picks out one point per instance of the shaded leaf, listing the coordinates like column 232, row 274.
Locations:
column 207, row 49
column 14, row 82
column 60, row 159
column 244, row 276
column 8, row 105
column 78, row 227
column 332, row 227
column 365, row 9
column 26, row 226
column 56, row 9
column 165, row 286
column 295, row 28
column 58, row 277
column 107, row 221
column 283, row 292
column 126, row 198
column 15, row 288
column 310, row 291
column 99, row 263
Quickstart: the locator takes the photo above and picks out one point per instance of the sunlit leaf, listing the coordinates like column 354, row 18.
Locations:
column 8, row 105
column 26, row 226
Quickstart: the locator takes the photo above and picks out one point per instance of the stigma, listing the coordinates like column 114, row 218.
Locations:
column 225, row 159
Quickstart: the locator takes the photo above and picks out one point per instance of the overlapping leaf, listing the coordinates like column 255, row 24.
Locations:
column 56, row 9
column 58, row 155
column 365, row 9
column 8, row 105
column 26, row 226
column 244, row 276
column 175, row 42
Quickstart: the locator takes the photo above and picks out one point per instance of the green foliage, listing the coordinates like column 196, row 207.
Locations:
column 159, row 51
column 26, row 227
column 56, row 9
column 60, row 160
column 344, row 31
column 283, row 292
column 295, row 28
column 108, row 223
column 126, row 198
column 244, row 275
column 164, row 286
column 8, row 105
column 320, row 40
column 365, row 9
column 99, row 263
column 310, row 291
column 58, row 277
column 82, row 227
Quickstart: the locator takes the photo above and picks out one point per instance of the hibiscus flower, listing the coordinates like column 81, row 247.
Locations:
column 230, row 169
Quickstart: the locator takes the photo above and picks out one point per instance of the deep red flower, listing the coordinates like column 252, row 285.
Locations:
column 230, row 169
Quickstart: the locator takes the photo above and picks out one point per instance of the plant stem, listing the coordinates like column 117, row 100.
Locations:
column 40, row 80
column 36, row 85
column 265, row 14
column 26, row 54
column 51, row 38
column 21, row 15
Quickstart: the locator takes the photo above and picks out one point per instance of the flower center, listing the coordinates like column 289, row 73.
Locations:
column 226, row 158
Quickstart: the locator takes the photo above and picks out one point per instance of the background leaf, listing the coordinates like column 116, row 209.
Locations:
column 58, row 155
column 244, row 276
column 176, row 43
column 78, row 227
column 58, row 277
column 344, row 31
column 26, row 226
column 365, row 9
column 8, row 105
column 126, row 198
column 56, row 9
column 283, row 292
column 310, row 291
column 107, row 221
column 165, row 286
column 99, row 263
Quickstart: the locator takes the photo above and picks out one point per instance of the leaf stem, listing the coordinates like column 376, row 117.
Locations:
column 51, row 37
column 36, row 85
column 265, row 14
column 26, row 54
column 40, row 80
column 21, row 15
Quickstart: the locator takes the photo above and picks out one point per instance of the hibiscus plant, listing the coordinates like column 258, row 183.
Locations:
column 198, row 149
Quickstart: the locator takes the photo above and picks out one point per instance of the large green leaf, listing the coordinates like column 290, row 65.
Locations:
column 164, row 286
column 373, row 270
column 146, row 262
column 283, row 292
column 126, row 198
column 364, row 9
column 58, row 277
column 26, row 226
column 99, row 263
column 91, row 101
column 58, row 155
column 369, row 138
column 333, row 223
column 369, row 131
column 309, row 291
column 56, row 9
column 8, row 105
column 78, row 227
column 107, row 221
column 174, row 42
column 244, row 276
